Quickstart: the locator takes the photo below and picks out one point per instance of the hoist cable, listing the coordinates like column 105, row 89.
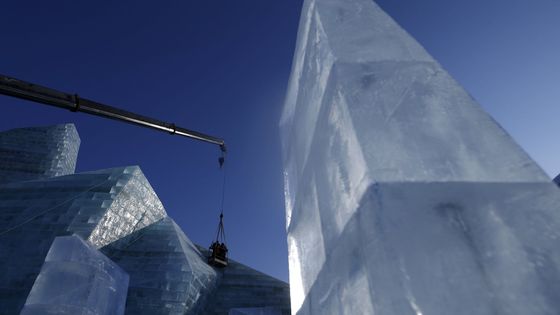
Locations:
column 223, row 189
column 221, row 234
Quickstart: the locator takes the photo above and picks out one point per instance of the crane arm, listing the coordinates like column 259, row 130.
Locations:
column 40, row 94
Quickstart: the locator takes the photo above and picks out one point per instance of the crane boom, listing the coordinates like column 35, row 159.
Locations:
column 40, row 94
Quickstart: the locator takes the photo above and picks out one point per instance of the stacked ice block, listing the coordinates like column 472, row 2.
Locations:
column 38, row 152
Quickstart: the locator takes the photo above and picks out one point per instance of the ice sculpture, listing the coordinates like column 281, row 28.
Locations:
column 77, row 279
column 38, row 152
column 402, row 195
column 100, row 206
column 167, row 272
column 117, row 212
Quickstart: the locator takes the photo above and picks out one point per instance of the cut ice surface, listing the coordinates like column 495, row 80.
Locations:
column 77, row 279
column 402, row 195
column 443, row 248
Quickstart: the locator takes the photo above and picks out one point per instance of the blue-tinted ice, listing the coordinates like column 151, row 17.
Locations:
column 402, row 195
column 77, row 279
column 38, row 152
column 100, row 206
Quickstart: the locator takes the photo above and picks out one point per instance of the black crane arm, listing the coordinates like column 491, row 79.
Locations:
column 40, row 94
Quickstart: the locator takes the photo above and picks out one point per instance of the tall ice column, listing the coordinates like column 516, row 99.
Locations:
column 402, row 195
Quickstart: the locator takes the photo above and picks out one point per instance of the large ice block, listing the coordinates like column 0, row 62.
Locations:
column 38, row 152
column 100, row 206
column 402, row 195
column 168, row 275
column 77, row 279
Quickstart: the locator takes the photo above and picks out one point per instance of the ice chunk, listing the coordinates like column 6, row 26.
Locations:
column 369, row 112
column 77, row 279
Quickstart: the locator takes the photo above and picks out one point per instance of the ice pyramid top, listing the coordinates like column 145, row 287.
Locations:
column 399, row 113
column 38, row 152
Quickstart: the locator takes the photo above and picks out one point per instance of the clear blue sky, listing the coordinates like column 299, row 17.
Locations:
column 222, row 67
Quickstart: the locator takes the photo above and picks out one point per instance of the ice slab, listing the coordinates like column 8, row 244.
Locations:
column 38, row 152
column 368, row 107
column 168, row 275
column 77, row 279
column 99, row 206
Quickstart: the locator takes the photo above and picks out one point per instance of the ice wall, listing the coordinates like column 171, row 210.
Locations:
column 100, row 206
column 77, row 279
column 38, row 152
column 402, row 195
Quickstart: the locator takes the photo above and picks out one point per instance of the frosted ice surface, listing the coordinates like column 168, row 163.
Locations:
column 471, row 221
column 77, row 279
column 168, row 275
column 38, row 152
column 101, row 206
